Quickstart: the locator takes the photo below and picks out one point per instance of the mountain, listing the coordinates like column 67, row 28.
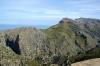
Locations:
column 62, row 44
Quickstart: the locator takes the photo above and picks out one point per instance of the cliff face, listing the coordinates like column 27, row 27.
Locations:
column 67, row 42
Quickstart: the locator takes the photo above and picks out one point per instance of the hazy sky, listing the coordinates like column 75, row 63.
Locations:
column 46, row 12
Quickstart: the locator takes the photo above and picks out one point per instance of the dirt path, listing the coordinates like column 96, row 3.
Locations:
column 91, row 62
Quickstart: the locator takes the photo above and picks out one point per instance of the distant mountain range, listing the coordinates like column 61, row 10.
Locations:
column 12, row 26
column 62, row 44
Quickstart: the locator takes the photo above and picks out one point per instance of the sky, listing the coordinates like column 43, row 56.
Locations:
column 46, row 12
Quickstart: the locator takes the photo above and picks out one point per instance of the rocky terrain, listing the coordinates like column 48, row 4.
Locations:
column 65, row 43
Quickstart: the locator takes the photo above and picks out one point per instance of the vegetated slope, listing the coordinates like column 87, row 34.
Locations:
column 8, row 58
column 67, row 42
column 68, row 39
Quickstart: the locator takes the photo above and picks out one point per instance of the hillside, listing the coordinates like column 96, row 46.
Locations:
column 65, row 43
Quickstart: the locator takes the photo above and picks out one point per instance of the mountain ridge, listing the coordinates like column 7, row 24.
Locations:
column 65, row 43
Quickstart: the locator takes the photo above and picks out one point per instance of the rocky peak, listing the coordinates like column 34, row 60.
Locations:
column 66, row 20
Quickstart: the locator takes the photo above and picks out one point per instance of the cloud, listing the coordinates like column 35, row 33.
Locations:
column 46, row 10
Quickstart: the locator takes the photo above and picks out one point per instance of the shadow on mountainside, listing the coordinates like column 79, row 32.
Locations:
column 14, row 45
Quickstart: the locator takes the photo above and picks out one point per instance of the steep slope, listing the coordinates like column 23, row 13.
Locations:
column 61, row 38
column 90, row 25
column 28, row 43
column 8, row 58
column 68, row 40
